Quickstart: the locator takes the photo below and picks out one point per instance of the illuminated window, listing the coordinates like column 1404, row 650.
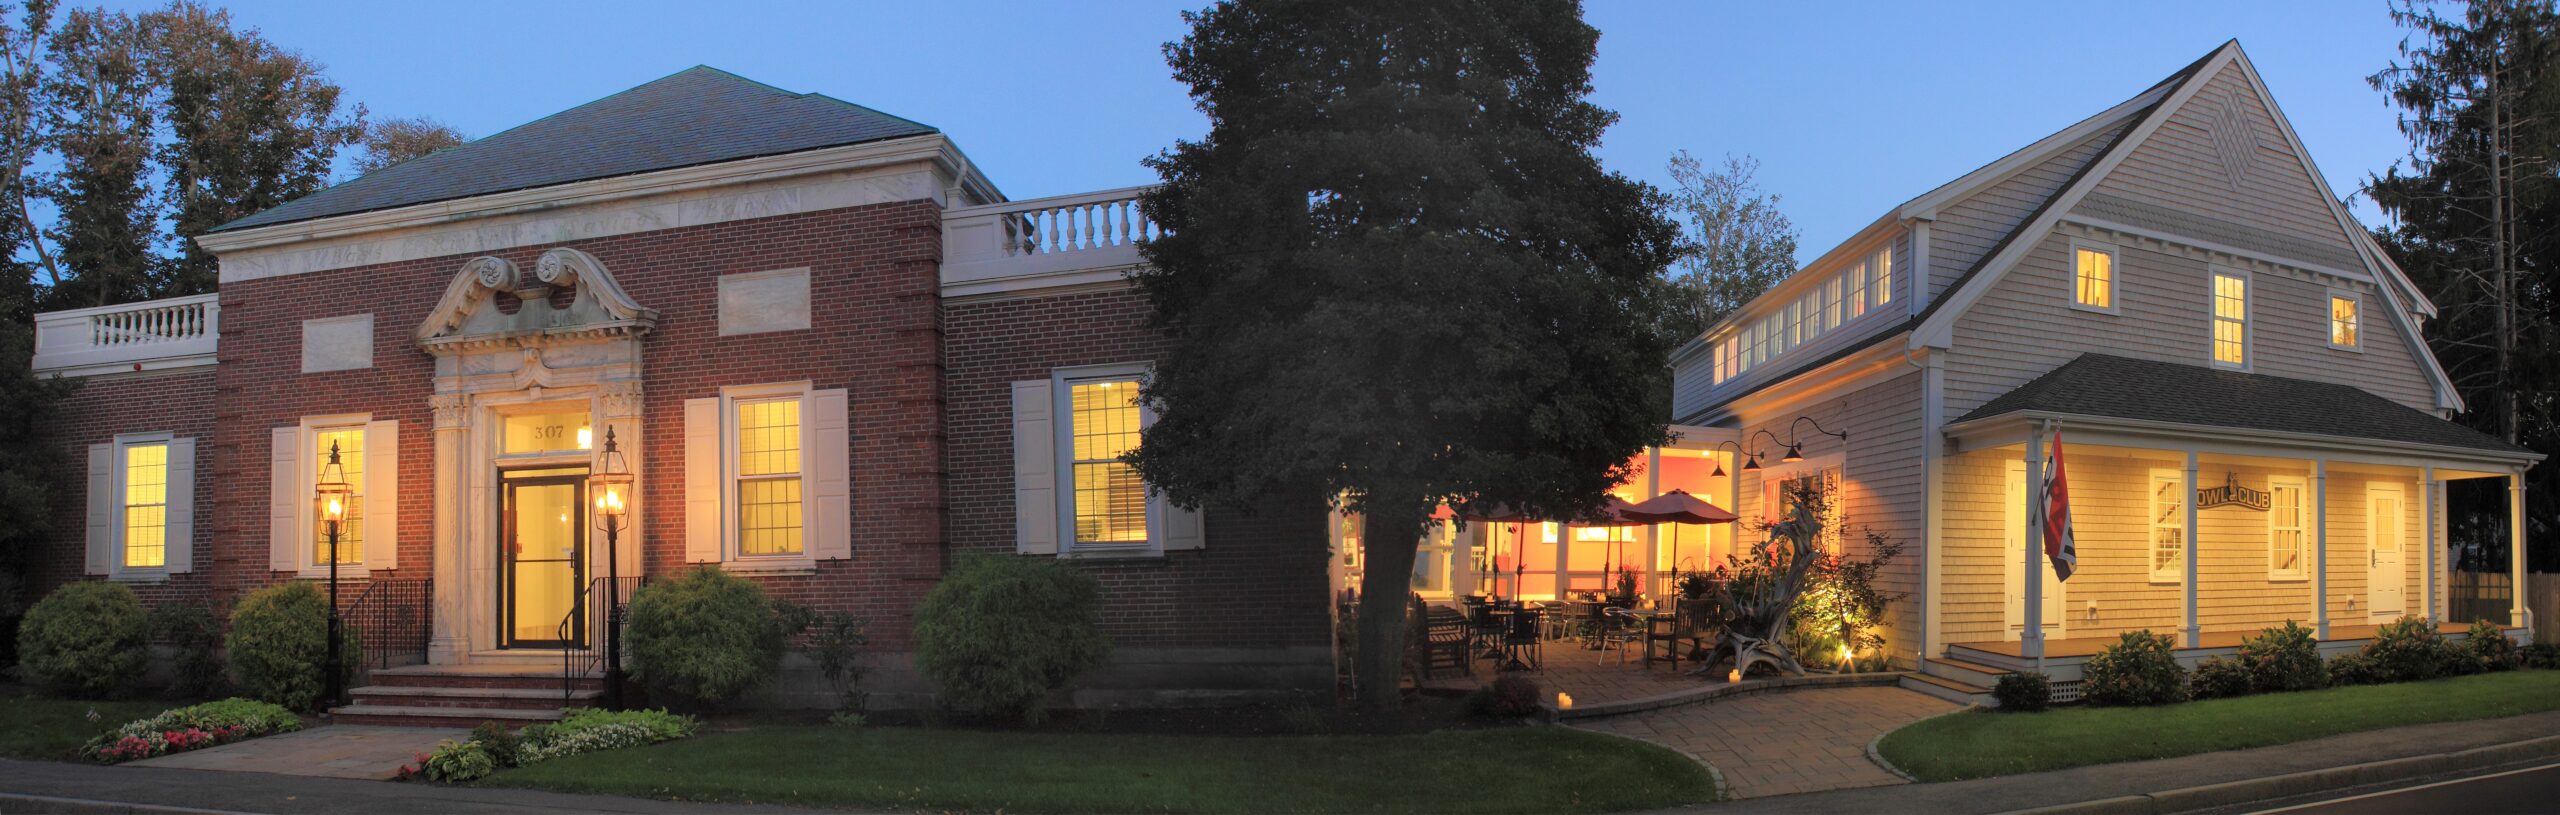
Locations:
column 546, row 433
column 1856, row 299
column 2284, row 527
column 2093, row 276
column 2168, row 526
column 350, row 442
column 769, row 520
column 2346, row 321
column 1880, row 282
column 1110, row 499
column 2230, row 319
column 146, row 505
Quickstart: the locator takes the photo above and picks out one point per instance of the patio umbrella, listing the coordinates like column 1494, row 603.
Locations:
column 1614, row 513
column 1678, row 508
column 1506, row 514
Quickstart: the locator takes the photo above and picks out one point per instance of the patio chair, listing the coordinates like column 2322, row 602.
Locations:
column 1446, row 642
column 1617, row 629
column 1666, row 629
column 1523, row 643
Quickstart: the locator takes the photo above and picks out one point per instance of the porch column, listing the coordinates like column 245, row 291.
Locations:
column 445, row 639
column 2320, row 548
column 2031, row 635
column 2191, row 633
column 2520, row 615
column 2427, row 534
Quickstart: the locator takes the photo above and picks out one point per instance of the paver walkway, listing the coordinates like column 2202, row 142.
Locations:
column 1783, row 743
column 329, row 751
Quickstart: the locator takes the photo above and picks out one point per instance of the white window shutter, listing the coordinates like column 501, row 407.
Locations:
column 1182, row 528
column 285, row 495
column 181, row 554
column 103, row 504
column 1035, row 469
column 702, row 484
column 382, row 495
column 825, row 450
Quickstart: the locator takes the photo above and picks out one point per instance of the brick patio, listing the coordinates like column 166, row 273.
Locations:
column 1783, row 743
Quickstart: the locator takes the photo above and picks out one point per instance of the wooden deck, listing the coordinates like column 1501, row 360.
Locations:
column 2076, row 647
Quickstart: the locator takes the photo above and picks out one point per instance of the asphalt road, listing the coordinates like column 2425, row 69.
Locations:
column 2529, row 790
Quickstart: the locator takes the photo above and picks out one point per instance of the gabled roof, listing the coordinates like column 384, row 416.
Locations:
column 2113, row 387
column 699, row 115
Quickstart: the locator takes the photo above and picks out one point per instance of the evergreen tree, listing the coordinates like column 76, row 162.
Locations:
column 1394, row 274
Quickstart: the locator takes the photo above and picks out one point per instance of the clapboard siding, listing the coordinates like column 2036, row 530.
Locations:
column 1881, row 483
column 2026, row 326
column 1967, row 229
column 2178, row 166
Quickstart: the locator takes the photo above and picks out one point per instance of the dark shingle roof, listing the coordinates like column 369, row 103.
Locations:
column 700, row 115
column 2119, row 388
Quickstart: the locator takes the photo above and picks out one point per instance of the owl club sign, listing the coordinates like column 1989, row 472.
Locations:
column 2232, row 494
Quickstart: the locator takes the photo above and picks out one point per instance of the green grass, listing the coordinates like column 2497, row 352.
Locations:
column 45, row 729
column 1529, row 769
column 1980, row 744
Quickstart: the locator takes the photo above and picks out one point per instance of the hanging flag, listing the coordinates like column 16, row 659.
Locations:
column 2056, row 508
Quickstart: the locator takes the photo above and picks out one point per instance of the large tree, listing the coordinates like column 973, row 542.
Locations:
column 1740, row 244
column 390, row 141
column 2476, row 212
column 1395, row 275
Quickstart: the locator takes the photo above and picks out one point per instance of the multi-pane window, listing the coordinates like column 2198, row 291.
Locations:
column 2168, row 526
column 1855, row 301
column 1847, row 295
column 350, row 447
column 769, row 507
column 2346, row 321
column 2230, row 319
column 146, row 505
column 2285, row 511
column 2093, row 276
column 1110, row 499
column 1880, row 277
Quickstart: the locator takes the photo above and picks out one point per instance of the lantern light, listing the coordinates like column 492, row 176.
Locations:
column 332, row 491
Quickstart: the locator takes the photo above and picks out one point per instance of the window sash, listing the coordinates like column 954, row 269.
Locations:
column 2285, row 528
column 1109, row 499
column 2230, row 319
column 1883, row 269
column 2168, row 527
column 2346, row 321
column 2094, row 278
column 145, row 506
column 767, row 486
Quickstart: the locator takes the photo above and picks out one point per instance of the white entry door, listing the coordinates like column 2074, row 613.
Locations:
column 2013, row 564
column 2386, row 580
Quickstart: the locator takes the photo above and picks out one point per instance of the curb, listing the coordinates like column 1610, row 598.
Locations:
column 1711, row 691
column 2233, row 793
column 1724, row 792
column 47, row 803
column 1877, row 755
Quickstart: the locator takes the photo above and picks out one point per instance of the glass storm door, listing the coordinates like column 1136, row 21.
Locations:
column 543, row 524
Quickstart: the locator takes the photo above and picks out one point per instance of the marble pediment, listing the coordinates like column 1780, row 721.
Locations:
column 491, row 304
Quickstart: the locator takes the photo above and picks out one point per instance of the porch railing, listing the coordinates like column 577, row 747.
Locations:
column 391, row 618
column 590, row 607
column 162, row 333
column 1094, row 233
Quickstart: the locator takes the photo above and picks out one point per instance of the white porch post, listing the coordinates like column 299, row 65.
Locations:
column 2521, row 616
column 2031, row 635
column 2320, row 548
column 447, row 641
column 2427, row 534
column 2192, row 634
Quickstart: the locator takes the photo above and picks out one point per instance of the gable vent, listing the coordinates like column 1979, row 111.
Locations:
column 2235, row 139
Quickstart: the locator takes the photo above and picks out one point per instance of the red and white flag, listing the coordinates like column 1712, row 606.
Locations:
column 2056, row 512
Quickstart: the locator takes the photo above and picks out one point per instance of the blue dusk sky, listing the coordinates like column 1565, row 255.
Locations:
column 1851, row 108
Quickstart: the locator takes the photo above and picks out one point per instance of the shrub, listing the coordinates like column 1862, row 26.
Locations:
column 1000, row 633
column 278, row 634
column 2140, row 669
column 455, row 762
column 190, row 630
column 1506, row 697
column 2219, row 678
column 2355, row 669
column 2407, row 650
column 501, row 744
column 704, row 637
column 592, row 729
column 2023, row 692
column 2541, row 655
column 2284, row 659
column 2489, row 649
column 836, row 642
column 84, row 640
column 189, row 728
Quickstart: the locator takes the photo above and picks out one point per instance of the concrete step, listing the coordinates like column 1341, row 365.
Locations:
column 1958, row 692
column 457, row 717
column 1970, row 673
column 519, row 677
column 550, row 698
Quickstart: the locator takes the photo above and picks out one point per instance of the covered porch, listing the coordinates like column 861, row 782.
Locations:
column 2206, row 505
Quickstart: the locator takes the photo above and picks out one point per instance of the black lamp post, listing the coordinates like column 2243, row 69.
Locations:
column 331, row 495
column 611, row 483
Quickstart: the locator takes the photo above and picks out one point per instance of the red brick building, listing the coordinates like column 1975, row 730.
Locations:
column 830, row 352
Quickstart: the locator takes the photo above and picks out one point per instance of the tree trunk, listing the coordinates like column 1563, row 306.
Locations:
column 1390, row 531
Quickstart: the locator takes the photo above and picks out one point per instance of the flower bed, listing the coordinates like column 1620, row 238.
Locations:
column 492, row 748
column 193, row 727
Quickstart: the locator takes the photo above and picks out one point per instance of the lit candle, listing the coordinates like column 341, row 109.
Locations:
column 1564, row 701
column 1734, row 676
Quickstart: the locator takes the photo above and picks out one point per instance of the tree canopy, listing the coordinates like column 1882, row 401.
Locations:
column 1740, row 244
column 1394, row 273
column 390, row 141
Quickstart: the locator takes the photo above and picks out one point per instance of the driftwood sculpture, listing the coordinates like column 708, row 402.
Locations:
column 1755, row 601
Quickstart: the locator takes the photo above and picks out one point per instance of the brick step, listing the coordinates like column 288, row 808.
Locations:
column 507, row 677
column 549, row 698
column 453, row 717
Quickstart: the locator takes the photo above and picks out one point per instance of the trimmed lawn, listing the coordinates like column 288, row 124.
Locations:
column 46, row 729
column 1979, row 744
column 1527, row 769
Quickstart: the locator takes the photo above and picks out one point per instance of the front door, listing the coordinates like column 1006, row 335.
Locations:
column 542, row 531
column 2013, row 564
column 2385, row 578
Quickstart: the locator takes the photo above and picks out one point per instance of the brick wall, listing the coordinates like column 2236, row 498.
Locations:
column 178, row 401
column 1260, row 581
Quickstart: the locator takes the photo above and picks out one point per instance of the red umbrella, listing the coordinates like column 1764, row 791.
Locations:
column 1678, row 507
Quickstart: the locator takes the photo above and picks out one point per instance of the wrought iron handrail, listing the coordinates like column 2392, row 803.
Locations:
column 569, row 670
column 379, row 609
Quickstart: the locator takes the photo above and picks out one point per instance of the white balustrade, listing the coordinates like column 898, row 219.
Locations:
column 1058, row 240
column 153, row 334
